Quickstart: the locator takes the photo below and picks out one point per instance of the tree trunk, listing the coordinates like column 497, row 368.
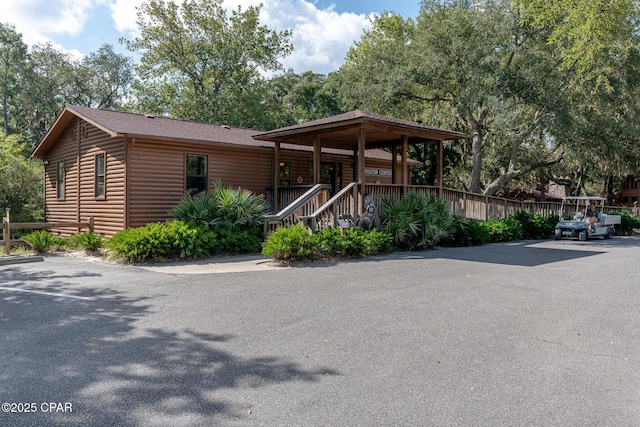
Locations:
column 476, row 167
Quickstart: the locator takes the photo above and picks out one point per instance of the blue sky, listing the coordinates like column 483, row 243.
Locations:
column 323, row 30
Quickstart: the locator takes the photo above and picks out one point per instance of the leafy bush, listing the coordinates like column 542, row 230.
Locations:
column 417, row 221
column 504, row 230
column 535, row 226
column 360, row 243
column 628, row 223
column 465, row 232
column 89, row 240
column 287, row 243
column 42, row 241
column 162, row 240
column 295, row 243
column 329, row 241
column 237, row 239
column 222, row 207
column 21, row 182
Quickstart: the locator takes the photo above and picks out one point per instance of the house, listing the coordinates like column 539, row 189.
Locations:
column 630, row 192
column 126, row 170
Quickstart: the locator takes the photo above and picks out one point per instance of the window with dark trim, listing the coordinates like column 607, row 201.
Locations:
column 100, row 174
column 60, row 181
column 196, row 179
column 285, row 174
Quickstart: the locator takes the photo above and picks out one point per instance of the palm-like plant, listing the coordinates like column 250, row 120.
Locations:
column 222, row 207
column 417, row 221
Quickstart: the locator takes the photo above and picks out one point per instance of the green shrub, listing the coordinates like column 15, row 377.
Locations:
column 295, row 243
column 504, row 230
column 240, row 239
column 42, row 241
column 535, row 226
column 89, row 240
column 222, row 207
column 628, row 223
column 360, row 243
column 465, row 232
column 329, row 241
column 287, row 243
column 417, row 221
column 162, row 240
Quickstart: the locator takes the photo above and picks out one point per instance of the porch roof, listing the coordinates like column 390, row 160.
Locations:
column 341, row 131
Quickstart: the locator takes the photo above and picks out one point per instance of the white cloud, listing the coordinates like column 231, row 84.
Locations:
column 35, row 19
column 321, row 37
column 124, row 14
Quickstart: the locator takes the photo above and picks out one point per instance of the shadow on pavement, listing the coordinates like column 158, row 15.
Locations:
column 97, row 355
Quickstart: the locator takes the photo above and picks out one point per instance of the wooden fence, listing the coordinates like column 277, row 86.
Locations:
column 471, row 205
column 7, row 226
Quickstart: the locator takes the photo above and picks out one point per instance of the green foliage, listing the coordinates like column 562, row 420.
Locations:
column 222, row 207
column 504, row 230
column 465, row 232
column 585, row 30
column 289, row 243
column 628, row 223
column 296, row 244
column 417, row 221
column 535, row 226
column 21, row 181
column 240, row 240
column 162, row 240
column 90, row 241
column 350, row 242
column 361, row 243
column 42, row 241
column 200, row 62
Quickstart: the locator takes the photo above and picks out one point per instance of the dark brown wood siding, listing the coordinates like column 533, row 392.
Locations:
column 156, row 175
column 82, row 140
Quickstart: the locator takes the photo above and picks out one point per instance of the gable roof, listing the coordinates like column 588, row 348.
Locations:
column 131, row 125
column 341, row 131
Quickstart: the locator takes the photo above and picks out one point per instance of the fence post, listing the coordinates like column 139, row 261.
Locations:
column 486, row 208
column 90, row 224
column 6, row 235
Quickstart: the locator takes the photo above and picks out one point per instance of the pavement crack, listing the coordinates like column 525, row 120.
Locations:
column 587, row 353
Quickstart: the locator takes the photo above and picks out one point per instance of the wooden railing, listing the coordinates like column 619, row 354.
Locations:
column 469, row 205
column 304, row 205
column 344, row 205
column 7, row 226
column 286, row 196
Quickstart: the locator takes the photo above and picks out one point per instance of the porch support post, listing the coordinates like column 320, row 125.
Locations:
column 405, row 165
column 317, row 154
column 361, row 160
column 394, row 164
column 276, row 177
column 440, row 167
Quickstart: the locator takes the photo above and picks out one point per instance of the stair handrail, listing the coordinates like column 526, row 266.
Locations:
column 293, row 207
column 312, row 220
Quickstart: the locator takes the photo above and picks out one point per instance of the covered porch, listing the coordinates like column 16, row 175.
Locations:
column 356, row 131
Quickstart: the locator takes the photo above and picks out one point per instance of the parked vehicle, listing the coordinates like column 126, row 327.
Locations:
column 578, row 226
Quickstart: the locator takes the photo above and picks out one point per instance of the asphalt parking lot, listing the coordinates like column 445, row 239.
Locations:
column 529, row 333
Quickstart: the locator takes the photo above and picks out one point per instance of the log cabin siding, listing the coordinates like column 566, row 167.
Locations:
column 157, row 174
column 65, row 151
column 145, row 175
column 80, row 201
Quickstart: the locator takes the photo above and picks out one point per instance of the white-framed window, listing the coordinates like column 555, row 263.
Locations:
column 100, row 169
column 60, row 181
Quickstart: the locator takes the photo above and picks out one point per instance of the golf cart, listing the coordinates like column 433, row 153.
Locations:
column 578, row 225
